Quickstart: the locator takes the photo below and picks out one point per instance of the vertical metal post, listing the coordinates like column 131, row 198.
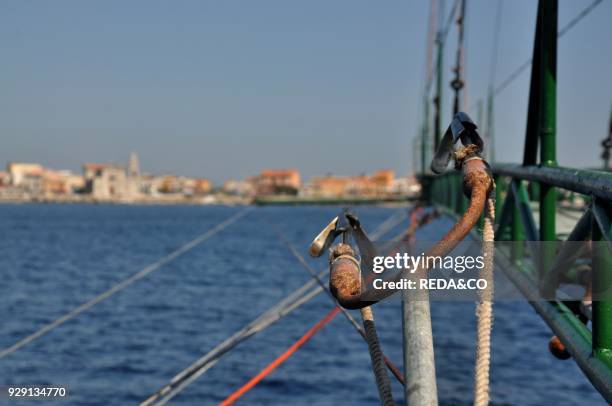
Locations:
column 530, row 150
column 419, row 364
column 606, row 143
column 479, row 114
column 500, row 188
column 423, row 148
column 516, row 231
column 547, row 125
column 419, row 368
column 427, row 136
column 491, row 126
column 457, row 83
column 602, row 285
column 439, row 77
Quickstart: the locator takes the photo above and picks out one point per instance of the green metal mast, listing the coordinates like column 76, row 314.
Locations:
column 439, row 77
column 548, row 124
column 491, row 126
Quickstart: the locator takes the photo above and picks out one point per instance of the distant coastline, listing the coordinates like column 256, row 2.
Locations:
column 110, row 183
column 169, row 200
column 277, row 200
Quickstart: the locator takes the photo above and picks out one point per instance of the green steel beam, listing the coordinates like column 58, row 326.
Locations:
column 491, row 126
column 595, row 183
column 516, row 212
column 566, row 256
column 439, row 90
column 572, row 332
column 563, row 322
column 530, row 150
column 423, row 149
column 505, row 214
column 602, row 217
column 516, row 234
column 602, row 282
column 500, row 190
column 521, row 202
column 547, row 129
column 548, row 83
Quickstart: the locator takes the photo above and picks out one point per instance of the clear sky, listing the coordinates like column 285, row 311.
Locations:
column 221, row 89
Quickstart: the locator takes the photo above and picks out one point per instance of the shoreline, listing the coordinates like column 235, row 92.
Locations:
column 219, row 200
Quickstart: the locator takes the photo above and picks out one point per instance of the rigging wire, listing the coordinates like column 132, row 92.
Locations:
column 490, row 127
column 443, row 33
column 495, row 44
column 449, row 20
column 187, row 376
column 564, row 30
column 283, row 308
column 123, row 284
column 234, row 396
column 458, row 83
column 431, row 37
column 423, row 129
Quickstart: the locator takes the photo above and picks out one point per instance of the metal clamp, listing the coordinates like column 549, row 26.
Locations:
column 461, row 128
column 347, row 225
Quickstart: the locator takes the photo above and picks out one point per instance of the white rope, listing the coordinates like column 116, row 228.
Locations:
column 122, row 285
column 484, row 310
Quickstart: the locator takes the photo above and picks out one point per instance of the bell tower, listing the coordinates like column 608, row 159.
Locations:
column 133, row 166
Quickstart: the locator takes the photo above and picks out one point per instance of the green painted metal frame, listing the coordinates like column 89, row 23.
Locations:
column 591, row 349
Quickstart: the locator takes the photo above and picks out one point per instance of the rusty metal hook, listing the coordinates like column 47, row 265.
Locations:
column 461, row 128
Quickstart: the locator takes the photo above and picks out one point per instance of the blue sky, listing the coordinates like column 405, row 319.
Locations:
column 224, row 88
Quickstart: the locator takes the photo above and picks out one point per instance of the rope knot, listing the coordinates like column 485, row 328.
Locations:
column 465, row 153
column 340, row 250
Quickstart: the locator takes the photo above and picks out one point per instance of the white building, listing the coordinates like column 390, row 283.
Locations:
column 114, row 182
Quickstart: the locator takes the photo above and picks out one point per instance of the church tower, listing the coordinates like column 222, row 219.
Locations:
column 134, row 166
column 133, row 181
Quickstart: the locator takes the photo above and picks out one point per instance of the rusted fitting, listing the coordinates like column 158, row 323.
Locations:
column 344, row 276
column 476, row 172
column 477, row 184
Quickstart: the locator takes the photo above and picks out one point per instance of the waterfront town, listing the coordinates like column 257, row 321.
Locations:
column 116, row 183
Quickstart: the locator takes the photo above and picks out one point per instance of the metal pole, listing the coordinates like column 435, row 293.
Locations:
column 423, row 149
column 439, row 77
column 516, row 230
column 602, row 282
column 419, row 364
column 607, row 145
column 547, row 125
column 490, row 126
column 426, row 137
column 530, row 151
column 457, row 82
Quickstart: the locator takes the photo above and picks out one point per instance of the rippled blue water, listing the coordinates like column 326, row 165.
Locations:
column 55, row 257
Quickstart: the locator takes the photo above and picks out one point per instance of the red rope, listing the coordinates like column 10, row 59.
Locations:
column 282, row 358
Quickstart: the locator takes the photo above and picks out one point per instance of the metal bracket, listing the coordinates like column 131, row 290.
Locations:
column 461, row 128
column 348, row 225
